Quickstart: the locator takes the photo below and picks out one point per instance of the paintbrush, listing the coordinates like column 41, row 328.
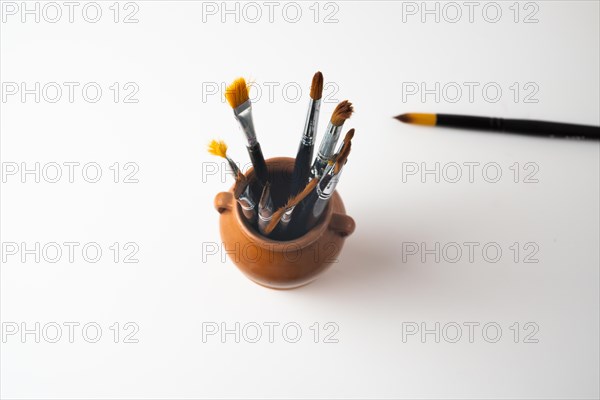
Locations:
column 325, row 189
column 286, row 218
column 520, row 126
column 310, row 209
column 342, row 151
column 242, row 191
column 342, row 112
column 238, row 98
column 219, row 148
column 305, row 150
column 265, row 208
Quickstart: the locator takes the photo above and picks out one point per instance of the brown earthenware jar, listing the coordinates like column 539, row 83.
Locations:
column 282, row 264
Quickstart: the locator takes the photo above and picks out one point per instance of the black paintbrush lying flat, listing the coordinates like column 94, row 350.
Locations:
column 520, row 126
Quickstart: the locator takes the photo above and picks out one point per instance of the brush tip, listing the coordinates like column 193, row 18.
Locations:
column 237, row 92
column 217, row 148
column 418, row 118
column 342, row 112
column 349, row 136
column 403, row 118
column 342, row 158
column 316, row 88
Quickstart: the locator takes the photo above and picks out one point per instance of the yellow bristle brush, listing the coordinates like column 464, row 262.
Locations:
column 237, row 95
column 304, row 155
column 219, row 148
column 242, row 192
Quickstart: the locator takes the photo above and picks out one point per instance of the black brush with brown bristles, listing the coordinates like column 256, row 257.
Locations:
column 307, row 143
column 238, row 98
column 342, row 112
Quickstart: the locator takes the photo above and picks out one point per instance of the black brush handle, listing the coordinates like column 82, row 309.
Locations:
column 301, row 169
column 522, row 126
column 300, row 215
column 557, row 129
column 302, row 220
column 258, row 162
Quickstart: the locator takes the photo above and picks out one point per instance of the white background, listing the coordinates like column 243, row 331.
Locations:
column 175, row 54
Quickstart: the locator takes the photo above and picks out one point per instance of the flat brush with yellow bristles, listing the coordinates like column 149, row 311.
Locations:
column 342, row 112
column 238, row 98
column 305, row 150
column 242, row 192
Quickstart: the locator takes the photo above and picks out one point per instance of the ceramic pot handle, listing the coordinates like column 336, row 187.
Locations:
column 342, row 224
column 223, row 202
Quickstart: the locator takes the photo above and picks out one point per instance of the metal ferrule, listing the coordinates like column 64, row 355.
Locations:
column 285, row 219
column 265, row 216
column 243, row 113
column 247, row 205
column 317, row 168
column 265, row 209
column 234, row 167
column 328, row 170
column 325, row 150
column 246, row 201
column 332, row 134
column 317, row 210
column 312, row 120
column 287, row 215
column 325, row 190
column 324, row 194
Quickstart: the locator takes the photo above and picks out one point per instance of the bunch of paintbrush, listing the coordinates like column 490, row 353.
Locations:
column 312, row 182
column 303, row 211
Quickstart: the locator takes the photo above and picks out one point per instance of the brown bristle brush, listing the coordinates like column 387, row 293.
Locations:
column 305, row 150
column 342, row 112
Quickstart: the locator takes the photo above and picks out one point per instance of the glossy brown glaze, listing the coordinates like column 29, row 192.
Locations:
column 282, row 264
